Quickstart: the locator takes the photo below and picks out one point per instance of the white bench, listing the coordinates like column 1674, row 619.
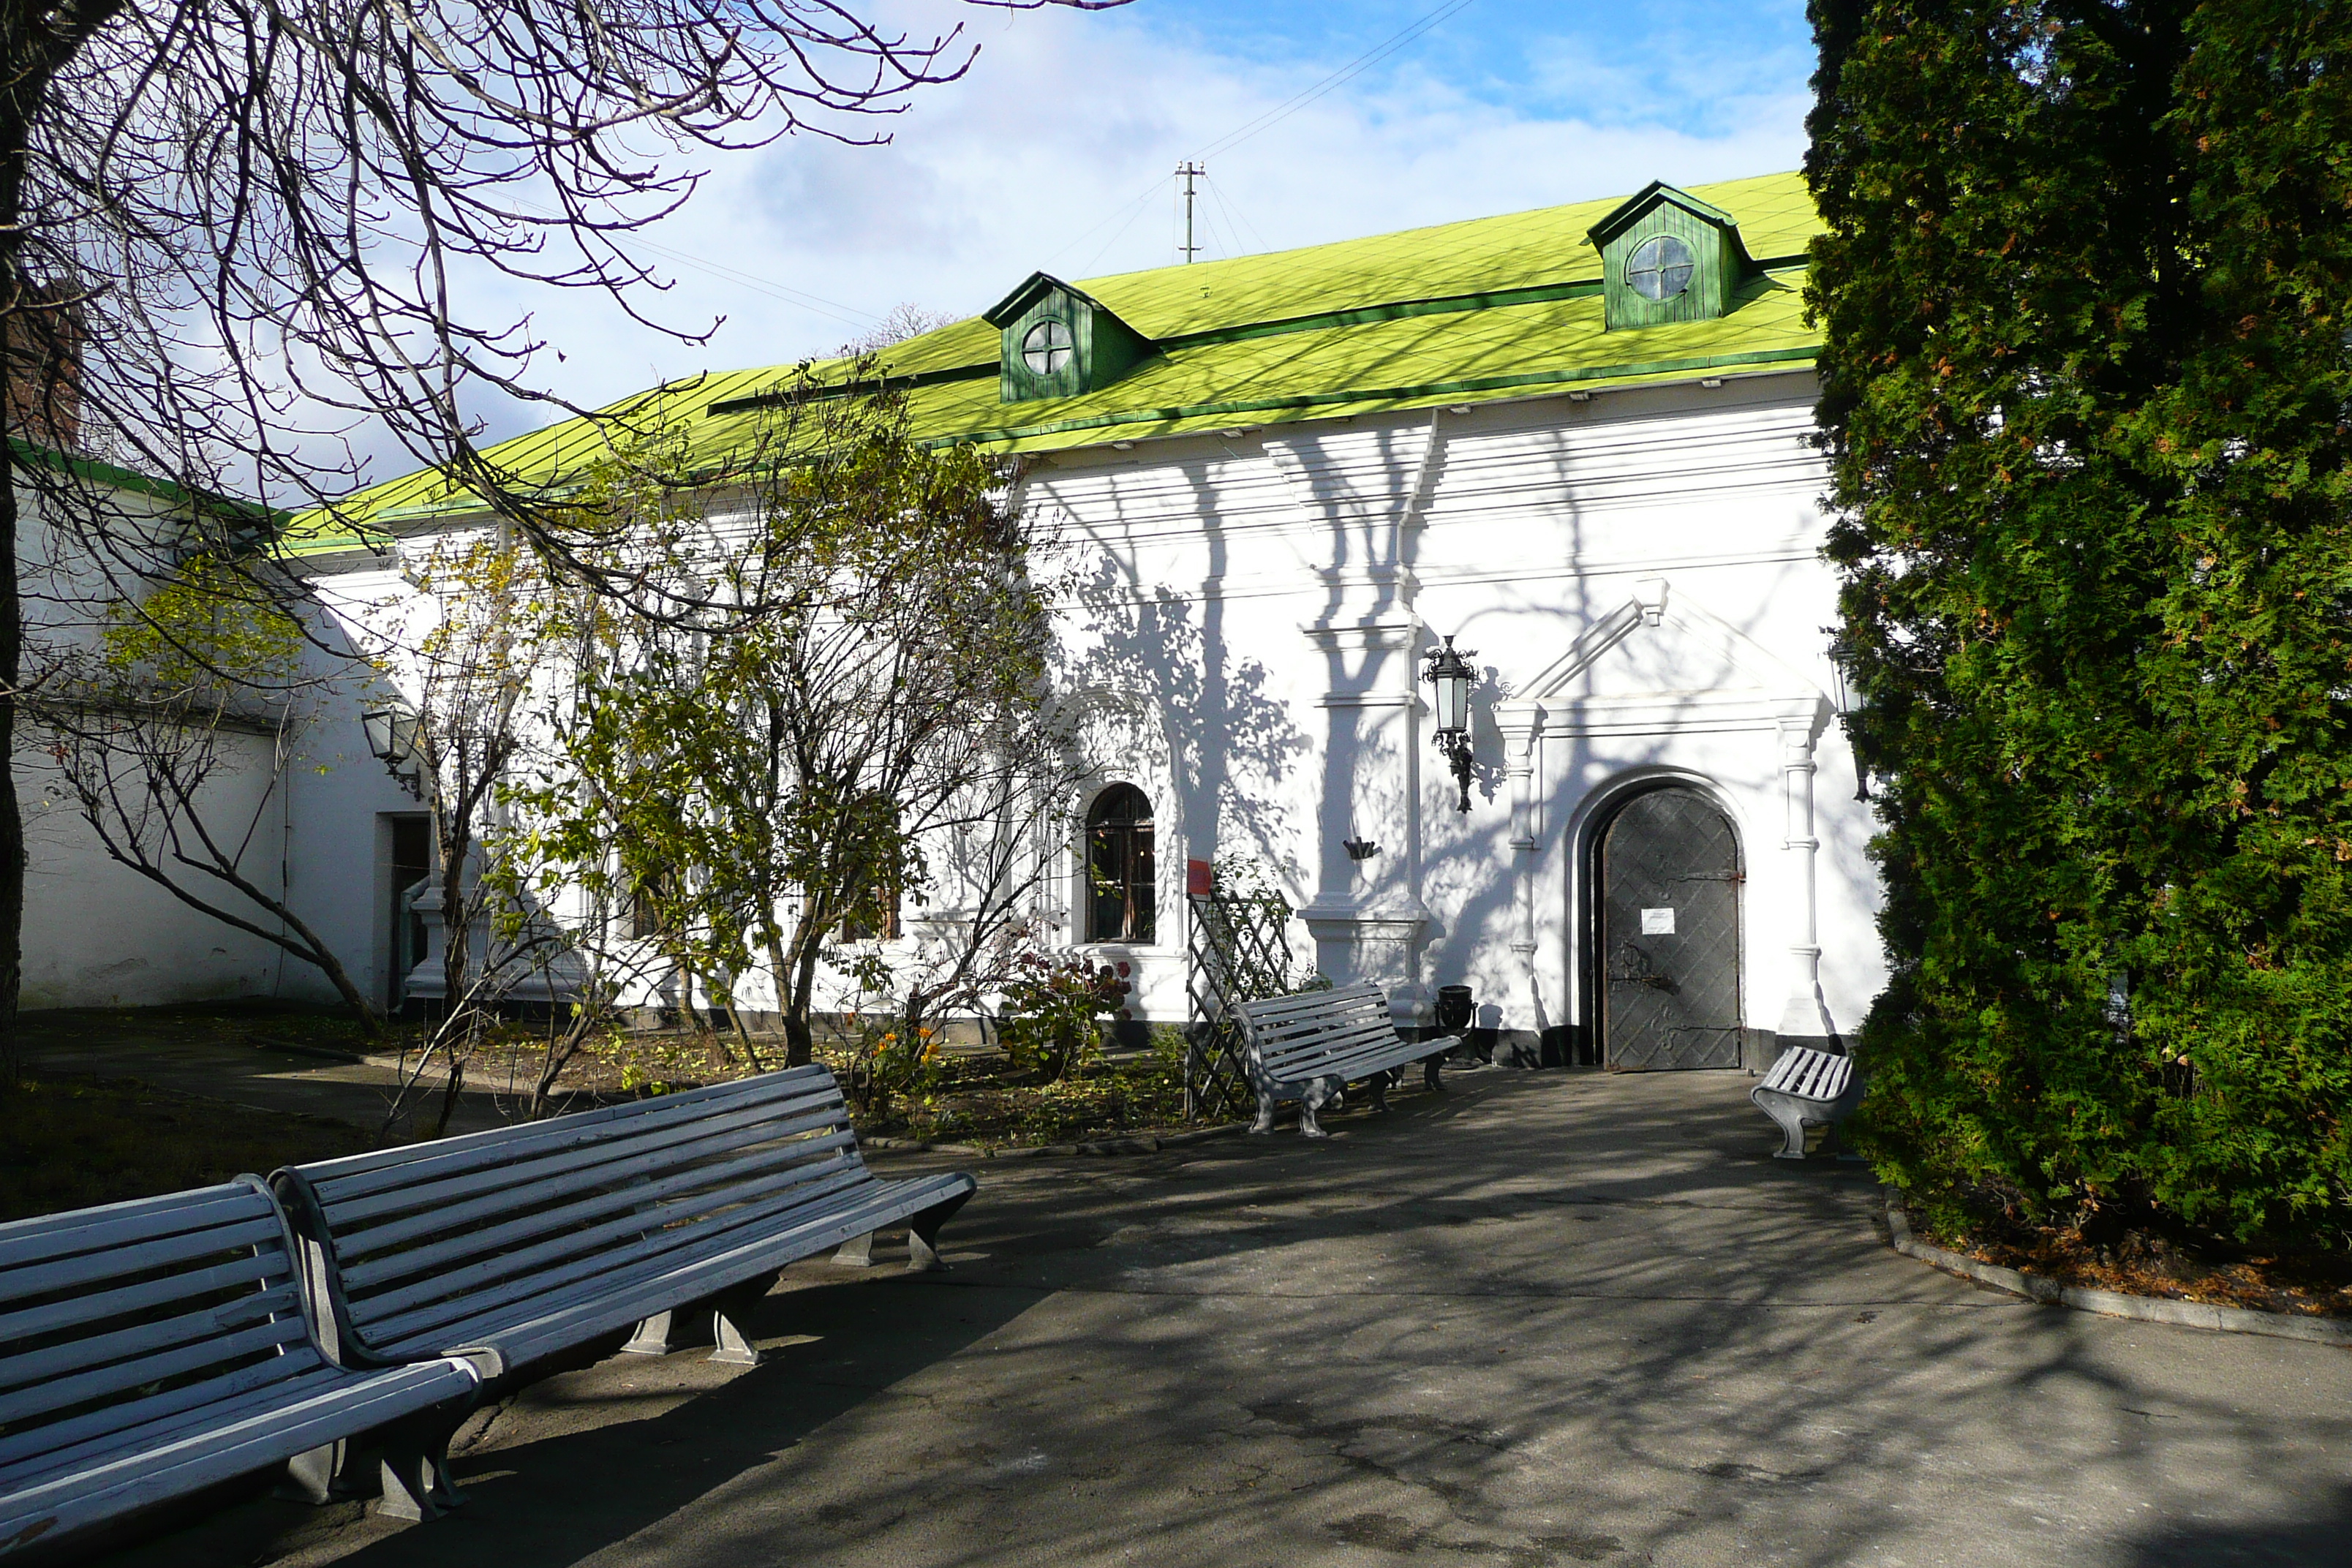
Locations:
column 151, row 1350
column 1310, row 1046
column 1807, row 1088
column 524, row 1243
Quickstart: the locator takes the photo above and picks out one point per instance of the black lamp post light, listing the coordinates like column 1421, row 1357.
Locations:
column 391, row 731
column 1453, row 675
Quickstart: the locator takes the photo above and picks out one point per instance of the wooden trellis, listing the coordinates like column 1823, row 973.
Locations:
column 1239, row 951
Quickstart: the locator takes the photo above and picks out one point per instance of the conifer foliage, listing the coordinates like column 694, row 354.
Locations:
column 2087, row 399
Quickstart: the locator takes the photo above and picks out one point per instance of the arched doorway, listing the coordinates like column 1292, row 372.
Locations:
column 1667, row 867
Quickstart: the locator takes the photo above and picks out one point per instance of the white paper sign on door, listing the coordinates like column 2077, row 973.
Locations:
column 1657, row 923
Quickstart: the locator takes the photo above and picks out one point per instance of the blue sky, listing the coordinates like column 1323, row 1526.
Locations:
column 1056, row 152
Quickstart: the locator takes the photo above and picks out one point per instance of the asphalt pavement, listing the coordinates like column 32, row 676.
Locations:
column 1544, row 1318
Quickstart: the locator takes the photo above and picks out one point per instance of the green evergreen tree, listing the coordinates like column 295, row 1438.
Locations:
column 2087, row 400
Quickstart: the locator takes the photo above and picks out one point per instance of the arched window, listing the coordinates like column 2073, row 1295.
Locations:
column 1120, row 894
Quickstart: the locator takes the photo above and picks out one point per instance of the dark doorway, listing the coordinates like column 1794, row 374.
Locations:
column 1668, row 873
column 412, row 862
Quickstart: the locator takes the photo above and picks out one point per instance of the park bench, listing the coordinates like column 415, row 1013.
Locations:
column 154, row 1349
column 533, row 1241
column 1807, row 1088
column 1310, row 1046
column 540, row 1239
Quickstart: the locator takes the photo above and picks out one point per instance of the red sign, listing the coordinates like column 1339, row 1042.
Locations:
column 1198, row 880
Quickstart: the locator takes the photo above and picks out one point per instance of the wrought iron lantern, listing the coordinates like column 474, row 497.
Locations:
column 391, row 731
column 1453, row 675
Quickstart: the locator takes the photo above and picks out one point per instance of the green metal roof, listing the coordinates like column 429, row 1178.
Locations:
column 1491, row 308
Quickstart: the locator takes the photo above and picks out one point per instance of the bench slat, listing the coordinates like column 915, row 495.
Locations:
column 1314, row 1001
column 355, row 1175
column 61, row 1393
column 103, row 1304
column 143, row 1222
column 502, row 1280
column 160, row 1416
column 124, row 1344
column 483, row 1182
column 621, row 1165
column 639, row 1296
column 50, row 1509
column 144, row 1258
column 638, row 1203
column 505, row 1238
column 1807, row 1074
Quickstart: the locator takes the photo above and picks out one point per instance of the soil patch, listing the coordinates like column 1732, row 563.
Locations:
column 2140, row 1263
column 76, row 1143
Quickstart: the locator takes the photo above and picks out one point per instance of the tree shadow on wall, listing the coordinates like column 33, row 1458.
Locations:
column 1227, row 738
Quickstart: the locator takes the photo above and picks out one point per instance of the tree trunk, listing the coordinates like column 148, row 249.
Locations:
column 778, row 967
column 12, row 821
column 12, row 630
column 800, row 1039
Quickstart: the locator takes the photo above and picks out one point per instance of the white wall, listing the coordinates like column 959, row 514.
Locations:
column 1638, row 573
column 1267, row 598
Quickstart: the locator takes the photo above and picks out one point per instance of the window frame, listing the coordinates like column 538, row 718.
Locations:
column 1137, row 878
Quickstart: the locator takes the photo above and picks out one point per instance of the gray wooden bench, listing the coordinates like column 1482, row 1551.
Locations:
column 525, row 1243
column 152, row 1350
column 1310, row 1046
column 1807, row 1088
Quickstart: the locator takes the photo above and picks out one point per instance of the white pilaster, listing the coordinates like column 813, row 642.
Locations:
column 1366, row 488
column 1805, row 1014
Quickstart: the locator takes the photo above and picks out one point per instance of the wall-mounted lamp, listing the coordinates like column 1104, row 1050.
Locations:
column 1453, row 675
column 1840, row 656
column 391, row 731
column 1360, row 849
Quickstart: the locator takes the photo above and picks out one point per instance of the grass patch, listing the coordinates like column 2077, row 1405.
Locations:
column 76, row 1143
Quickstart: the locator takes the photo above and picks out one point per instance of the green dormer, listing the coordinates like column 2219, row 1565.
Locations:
column 1058, row 342
column 1667, row 256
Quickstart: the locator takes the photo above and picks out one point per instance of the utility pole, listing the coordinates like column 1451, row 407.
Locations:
column 1187, row 172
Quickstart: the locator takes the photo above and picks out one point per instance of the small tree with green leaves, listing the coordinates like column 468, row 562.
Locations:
column 868, row 683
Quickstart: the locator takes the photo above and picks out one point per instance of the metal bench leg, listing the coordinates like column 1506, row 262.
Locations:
column 923, row 1235
column 1264, row 1123
column 415, row 1468
column 1429, row 1066
column 1790, row 1114
column 653, row 1336
column 320, row 1476
column 1315, row 1096
column 732, row 1346
column 858, row 1252
column 1379, row 1085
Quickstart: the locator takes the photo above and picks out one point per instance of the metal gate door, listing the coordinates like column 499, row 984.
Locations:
column 1669, row 879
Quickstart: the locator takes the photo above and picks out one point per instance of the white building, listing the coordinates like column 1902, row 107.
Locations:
column 1574, row 441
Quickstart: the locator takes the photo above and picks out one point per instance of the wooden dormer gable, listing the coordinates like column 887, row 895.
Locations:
column 1059, row 341
column 1667, row 256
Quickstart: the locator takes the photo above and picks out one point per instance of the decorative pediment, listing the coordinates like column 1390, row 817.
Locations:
column 1661, row 661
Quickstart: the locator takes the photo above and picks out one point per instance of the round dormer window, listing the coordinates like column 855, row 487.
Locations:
column 1659, row 268
column 1047, row 347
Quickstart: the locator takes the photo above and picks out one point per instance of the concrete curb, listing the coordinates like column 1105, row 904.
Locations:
column 2114, row 1303
column 1038, row 1151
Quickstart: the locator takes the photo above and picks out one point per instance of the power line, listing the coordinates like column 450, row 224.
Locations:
column 1339, row 77
column 1134, row 210
column 1235, row 219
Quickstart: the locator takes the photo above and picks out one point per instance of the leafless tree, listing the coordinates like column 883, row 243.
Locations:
column 233, row 233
